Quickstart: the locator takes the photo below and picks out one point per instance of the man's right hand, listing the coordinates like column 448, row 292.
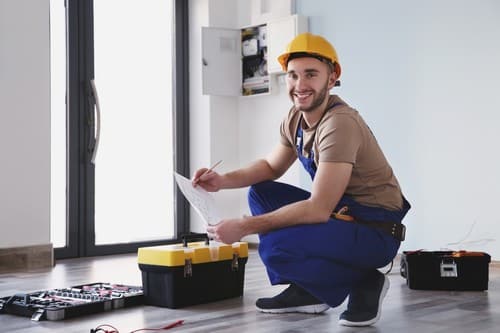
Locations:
column 210, row 181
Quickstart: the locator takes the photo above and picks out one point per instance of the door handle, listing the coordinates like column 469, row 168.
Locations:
column 97, row 121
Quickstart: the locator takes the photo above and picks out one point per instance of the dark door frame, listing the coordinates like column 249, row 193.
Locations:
column 80, row 236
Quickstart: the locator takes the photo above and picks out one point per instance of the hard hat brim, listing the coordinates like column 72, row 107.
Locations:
column 285, row 58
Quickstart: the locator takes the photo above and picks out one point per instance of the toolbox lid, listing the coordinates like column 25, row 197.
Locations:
column 197, row 252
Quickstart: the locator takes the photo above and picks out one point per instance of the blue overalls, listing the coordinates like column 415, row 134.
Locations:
column 326, row 259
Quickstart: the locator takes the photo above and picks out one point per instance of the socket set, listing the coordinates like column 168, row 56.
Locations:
column 59, row 304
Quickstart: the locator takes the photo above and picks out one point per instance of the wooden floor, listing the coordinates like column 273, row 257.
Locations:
column 404, row 310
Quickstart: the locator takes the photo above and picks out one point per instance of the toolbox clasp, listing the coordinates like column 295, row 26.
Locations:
column 448, row 268
column 188, row 267
column 234, row 263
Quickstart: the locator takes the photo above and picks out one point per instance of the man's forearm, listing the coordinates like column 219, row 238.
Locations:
column 255, row 173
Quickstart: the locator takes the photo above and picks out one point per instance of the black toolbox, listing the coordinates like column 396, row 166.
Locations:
column 191, row 273
column 445, row 270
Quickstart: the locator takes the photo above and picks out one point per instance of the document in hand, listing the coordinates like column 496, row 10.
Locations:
column 202, row 201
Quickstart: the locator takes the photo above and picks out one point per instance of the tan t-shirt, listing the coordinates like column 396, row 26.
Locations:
column 343, row 136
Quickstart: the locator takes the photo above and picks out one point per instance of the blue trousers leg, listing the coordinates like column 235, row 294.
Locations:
column 327, row 259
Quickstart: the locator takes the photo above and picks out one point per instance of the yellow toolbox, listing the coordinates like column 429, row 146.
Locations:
column 190, row 273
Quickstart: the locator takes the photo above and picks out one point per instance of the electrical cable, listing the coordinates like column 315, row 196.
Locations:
column 106, row 328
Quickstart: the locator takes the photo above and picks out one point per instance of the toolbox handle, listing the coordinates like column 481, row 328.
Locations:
column 194, row 237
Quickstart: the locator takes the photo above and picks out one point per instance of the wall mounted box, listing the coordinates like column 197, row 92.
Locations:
column 240, row 62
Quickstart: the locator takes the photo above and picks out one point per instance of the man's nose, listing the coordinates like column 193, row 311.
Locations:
column 300, row 83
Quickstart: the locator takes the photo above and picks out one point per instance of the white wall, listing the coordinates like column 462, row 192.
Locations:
column 424, row 75
column 213, row 119
column 24, row 123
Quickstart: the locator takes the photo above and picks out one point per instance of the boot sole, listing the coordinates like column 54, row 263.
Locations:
column 312, row 309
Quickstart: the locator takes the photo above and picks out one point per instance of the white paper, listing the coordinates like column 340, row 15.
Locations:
column 202, row 201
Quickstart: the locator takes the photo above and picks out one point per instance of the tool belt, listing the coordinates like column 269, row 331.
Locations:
column 395, row 229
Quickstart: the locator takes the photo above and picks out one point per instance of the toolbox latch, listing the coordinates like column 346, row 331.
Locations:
column 188, row 267
column 449, row 268
column 234, row 263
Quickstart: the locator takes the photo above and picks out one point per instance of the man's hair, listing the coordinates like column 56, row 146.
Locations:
column 295, row 55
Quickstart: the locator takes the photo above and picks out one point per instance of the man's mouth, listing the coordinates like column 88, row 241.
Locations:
column 302, row 95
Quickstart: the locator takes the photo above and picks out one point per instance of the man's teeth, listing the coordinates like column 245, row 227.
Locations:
column 302, row 95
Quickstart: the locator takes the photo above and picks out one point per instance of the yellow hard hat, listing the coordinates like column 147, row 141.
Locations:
column 307, row 43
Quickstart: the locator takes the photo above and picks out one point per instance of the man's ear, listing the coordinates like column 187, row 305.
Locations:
column 332, row 78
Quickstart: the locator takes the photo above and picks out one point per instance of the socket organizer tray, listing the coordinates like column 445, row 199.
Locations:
column 59, row 304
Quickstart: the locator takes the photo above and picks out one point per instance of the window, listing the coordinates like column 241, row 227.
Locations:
column 116, row 193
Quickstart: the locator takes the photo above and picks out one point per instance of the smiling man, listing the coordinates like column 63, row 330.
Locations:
column 328, row 243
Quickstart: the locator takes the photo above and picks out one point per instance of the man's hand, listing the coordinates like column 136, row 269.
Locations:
column 210, row 181
column 227, row 231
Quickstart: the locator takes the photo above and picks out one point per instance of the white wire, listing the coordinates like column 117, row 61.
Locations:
column 472, row 242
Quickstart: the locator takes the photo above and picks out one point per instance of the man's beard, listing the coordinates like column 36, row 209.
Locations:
column 317, row 101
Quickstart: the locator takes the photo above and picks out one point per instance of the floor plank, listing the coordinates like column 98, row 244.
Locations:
column 404, row 310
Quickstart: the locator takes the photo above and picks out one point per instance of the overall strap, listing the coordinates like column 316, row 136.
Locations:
column 299, row 132
column 308, row 162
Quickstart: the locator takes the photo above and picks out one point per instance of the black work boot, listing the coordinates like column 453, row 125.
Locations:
column 292, row 299
column 365, row 301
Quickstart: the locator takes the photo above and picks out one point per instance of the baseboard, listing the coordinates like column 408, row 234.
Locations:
column 26, row 258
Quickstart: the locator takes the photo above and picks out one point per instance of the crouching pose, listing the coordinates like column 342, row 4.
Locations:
column 328, row 243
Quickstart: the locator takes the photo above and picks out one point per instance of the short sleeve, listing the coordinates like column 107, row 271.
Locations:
column 288, row 126
column 339, row 139
column 285, row 134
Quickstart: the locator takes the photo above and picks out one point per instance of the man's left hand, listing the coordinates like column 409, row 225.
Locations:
column 227, row 231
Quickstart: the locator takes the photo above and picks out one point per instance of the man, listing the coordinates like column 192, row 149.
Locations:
column 326, row 244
